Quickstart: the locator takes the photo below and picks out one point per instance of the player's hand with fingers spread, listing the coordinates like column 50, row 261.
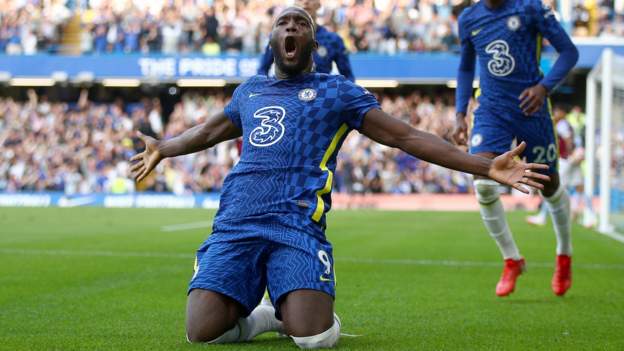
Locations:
column 507, row 169
column 532, row 99
column 147, row 160
column 460, row 131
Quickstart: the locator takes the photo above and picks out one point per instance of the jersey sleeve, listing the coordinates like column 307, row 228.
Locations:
column 466, row 69
column 232, row 109
column 342, row 60
column 551, row 29
column 356, row 102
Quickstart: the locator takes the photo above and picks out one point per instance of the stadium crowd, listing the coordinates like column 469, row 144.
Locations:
column 243, row 26
column 84, row 147
column 236, row 26
column 29, row 27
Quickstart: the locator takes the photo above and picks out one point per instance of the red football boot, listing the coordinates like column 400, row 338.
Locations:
column 562, row 279
column 511, row 271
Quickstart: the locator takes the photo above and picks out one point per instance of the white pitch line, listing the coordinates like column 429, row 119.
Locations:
column 451, row 263
column 95, row 253
column 615, row 236
column 408, row 262
column 186, row 226
column 350, row 335
column 207, row 224
column 414, row 262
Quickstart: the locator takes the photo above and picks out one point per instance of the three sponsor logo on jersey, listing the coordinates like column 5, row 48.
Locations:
column 502, row 62
column 271, row 129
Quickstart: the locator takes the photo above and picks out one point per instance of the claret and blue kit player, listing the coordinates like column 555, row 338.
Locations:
column 269, row 232
column 506, row 36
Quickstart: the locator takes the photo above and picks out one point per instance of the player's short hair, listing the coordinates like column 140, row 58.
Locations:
column 299, row 9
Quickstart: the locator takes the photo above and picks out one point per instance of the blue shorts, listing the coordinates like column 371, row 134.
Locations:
column 243, row 268
column 495, row 130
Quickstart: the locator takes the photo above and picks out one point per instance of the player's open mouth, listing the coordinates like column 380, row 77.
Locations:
column 290, row 47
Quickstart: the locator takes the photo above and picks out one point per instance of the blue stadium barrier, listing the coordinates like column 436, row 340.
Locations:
column 431, row 68
column 434, row 68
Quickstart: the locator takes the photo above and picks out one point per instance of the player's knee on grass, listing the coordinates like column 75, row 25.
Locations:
column 209, row 315
column 326, row 339
column 487, row 191
column 307, row 313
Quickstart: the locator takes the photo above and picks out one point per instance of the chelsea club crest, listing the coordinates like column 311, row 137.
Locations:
column 513, row 23
column 307, row 94
column 476, row 140
column 321, row 51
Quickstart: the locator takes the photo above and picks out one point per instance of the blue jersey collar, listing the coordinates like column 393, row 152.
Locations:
column 296, row 79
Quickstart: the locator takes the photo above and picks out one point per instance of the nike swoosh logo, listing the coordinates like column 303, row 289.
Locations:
column 254, row 94
column 323, row 279
column 81, row 201
column 476, row 31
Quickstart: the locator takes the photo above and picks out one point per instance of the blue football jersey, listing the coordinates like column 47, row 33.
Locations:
column 507, row 42
column 292, row 130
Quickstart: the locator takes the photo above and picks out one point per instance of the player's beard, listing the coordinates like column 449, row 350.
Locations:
column 298, row 67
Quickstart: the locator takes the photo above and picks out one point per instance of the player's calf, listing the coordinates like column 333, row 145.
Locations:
column 558, row 203
column 493, row 215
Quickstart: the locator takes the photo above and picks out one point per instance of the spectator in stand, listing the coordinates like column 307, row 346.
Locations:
column 381, row 26
column 82, row 147
column 28, row 28
column 171, row 32
column 211, row 47
column 210, row 24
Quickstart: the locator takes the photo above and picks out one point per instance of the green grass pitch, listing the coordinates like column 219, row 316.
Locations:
column 112, row 279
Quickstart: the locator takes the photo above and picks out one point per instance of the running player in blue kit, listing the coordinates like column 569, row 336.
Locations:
column 506, row 36
column 270, row 227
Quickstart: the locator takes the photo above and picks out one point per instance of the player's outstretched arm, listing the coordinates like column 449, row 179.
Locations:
column 505, row 169
column 216, row 129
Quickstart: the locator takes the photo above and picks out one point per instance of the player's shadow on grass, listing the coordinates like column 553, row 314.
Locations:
column 268, row 342
column 538, row 301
